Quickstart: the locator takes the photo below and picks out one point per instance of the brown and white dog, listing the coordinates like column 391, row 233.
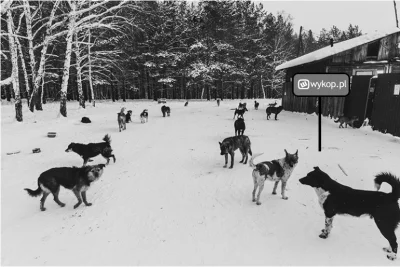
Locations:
column 275, row 170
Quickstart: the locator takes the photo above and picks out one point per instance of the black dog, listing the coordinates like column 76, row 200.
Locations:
column 274, row 110
column 218, row 101
column 230, row 144
column 239, row 112
column 165, row 109
column 336, row 198
column 128, row 116
column 256, row 104
column 240, row 126
column 186, row 103
column 76, row 179
column 144, row 116
column 92, row 150
column 85, row 120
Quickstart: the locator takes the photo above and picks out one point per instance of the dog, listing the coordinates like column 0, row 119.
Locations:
column 239, row 112
column 230, row 144
column 272, row 105
column 76, row 179
column 144, row 116
column 218, row 101
column 186, row 103
column 256, row 104
column 165, row 109
column 274, row 110
column 85, row 120
column 240, row 126
column 121, row 120
column 278, row 170
column 347, row 121
column 91, row 150
column 128, row 116
column 335, row 198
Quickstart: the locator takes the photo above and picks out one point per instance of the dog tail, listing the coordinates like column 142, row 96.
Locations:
column 107, row 139
column 386, row 177
column 252, row 158
column 35, row 193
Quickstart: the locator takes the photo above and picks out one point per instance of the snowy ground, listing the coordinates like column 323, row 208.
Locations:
column 168, row 200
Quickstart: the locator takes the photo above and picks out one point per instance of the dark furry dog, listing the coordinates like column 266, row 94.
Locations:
column 230, row 144
column 275, row 170
column 165, row 109
column 85, row 120
column 256, row 104
column 274, row 110
column 186, row 103
column 144, row 116
column 76, row 179
column 128, row 116
column 239, row 112
column 336, row 198
column 121, row 120
column 240, row 126
column 92, row 150
column 218, row 101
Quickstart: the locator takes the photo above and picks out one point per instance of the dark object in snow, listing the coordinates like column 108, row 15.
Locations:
column 230, row 144
column 272, row 105
column 85, row 120
column 165, row 109
column 36, row 150
column 239, row 112
column 162, row 100
column 51, row 134
column 144, row 116
column 129, row 116
column 275, row 110
column 331, row 42
column 218, row 100
column 186, row 103
column 91, row 150
column 240, row 126
column 76, row 179
column 15, row 152
column 256, row 104
column 121, row 118
column 336, row 198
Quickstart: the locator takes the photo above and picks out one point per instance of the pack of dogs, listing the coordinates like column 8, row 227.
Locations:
column 333, row 197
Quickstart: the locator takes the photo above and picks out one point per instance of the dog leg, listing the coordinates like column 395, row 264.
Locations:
column 260, row 182
column 83, row 193
column 85, row 161
column 388, row 232
column 55, row 194
column 328, row 226
column 226, row 160
column 255, row 187
column 232, row 159
column 246, row 153
column 78, row 196
column 43, row 199
column 275, row 187
column 276, row 117
column 283, row 189
column 242, row 152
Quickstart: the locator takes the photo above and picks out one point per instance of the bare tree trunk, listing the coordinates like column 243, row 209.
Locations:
column 14, row 60
column 262, row 86
column 67, row 62
column 21, row 56
column 79, row 72
column 90, row 73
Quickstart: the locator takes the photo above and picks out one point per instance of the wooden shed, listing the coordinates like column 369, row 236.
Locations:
column 373, row 64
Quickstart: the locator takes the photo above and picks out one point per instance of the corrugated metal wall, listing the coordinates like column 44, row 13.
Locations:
column 386, row 109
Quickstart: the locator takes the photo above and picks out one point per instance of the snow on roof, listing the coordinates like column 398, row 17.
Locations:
column 337, row 48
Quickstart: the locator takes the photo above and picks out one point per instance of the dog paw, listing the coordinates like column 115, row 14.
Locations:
column 323, row 235
column 88, row 204
column 225, row 166
column 76, row 205
column 391, row 256
column 42, row 209
column 231, row 167
column 285, row 198
column 62, row 205
column 274, row 193
column 259, row 203
column 388, row 250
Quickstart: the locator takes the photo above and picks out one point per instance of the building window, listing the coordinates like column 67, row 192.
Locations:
column 373, row 50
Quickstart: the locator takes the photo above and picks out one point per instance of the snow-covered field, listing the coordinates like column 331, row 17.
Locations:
column 168, row 200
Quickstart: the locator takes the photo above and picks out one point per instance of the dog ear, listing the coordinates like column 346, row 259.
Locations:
column 220, row 143
column 297, row 152
column 102, row 165
column 317, row 168
column 286, row 152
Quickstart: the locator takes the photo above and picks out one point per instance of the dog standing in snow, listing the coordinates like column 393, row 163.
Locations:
column 278, row 170
column 144, row 116
column 335, row 198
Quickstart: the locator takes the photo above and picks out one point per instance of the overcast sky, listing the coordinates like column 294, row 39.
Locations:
column 315, row 15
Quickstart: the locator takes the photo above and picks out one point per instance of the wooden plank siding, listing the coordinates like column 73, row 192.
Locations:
column 386, row 109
